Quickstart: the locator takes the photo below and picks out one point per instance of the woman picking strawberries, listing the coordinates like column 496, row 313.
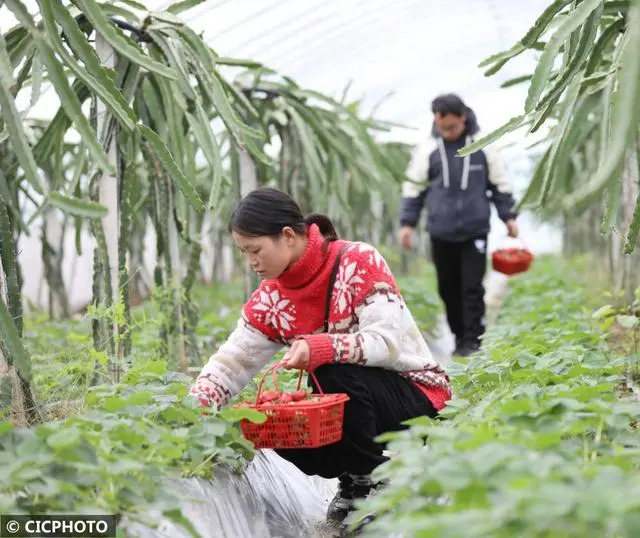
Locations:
column 369, row 347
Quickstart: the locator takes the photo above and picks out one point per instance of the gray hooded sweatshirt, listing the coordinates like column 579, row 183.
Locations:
column 457, row 191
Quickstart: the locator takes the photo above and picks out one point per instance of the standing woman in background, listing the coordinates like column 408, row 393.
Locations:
column 458, row 193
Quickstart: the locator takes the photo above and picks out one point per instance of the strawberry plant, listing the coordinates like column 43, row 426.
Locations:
column 114, row 454
column 110, row 447
column 537, row 441
column 624, row 317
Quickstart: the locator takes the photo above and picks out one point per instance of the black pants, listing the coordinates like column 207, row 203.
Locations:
column 460, row 268
column 380, row 401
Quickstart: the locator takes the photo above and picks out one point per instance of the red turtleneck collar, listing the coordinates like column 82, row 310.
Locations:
column 314, row 257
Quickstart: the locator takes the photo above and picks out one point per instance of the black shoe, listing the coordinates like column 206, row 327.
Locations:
column 458, row 348
column 354, row 527
column 342, row 503
column 468, row 348
column 347, row 530
column 350, row 487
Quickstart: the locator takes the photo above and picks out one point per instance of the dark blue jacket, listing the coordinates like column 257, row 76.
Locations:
column 457, row 191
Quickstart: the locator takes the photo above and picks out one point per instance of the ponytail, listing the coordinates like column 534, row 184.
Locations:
column 327, row 229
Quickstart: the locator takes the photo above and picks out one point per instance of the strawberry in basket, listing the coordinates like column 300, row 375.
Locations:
column 295, row 419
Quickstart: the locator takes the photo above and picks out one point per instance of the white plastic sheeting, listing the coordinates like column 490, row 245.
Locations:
column 272, row 499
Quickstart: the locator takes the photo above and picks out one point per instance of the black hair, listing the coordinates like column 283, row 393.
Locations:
column 265, row 211
column 449, row 103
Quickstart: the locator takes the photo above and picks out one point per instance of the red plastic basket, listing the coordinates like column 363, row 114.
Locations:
column 511, row 261
column 301, row 424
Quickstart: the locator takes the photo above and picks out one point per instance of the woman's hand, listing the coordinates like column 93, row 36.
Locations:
column 298, row 357
column 203, row 389
column 406, row 237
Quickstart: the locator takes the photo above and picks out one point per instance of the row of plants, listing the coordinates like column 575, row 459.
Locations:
column 541, row 439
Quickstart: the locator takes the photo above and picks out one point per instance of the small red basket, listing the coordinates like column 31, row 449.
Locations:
column 301, row 424
column 511, row 261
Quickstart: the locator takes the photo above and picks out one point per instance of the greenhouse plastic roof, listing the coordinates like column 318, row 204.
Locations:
column 411, row 49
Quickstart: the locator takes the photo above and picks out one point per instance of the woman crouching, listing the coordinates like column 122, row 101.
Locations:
column 369, row 347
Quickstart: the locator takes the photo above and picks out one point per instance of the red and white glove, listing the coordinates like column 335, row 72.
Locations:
column 204, row 390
